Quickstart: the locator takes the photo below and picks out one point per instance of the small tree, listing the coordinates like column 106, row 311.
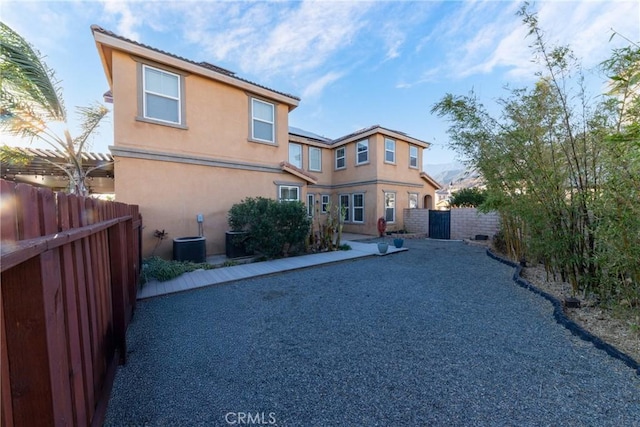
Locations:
column 31, row 107
column 562, row 169
column 468, row 198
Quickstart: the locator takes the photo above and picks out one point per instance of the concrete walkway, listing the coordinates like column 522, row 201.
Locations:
column 216, row 276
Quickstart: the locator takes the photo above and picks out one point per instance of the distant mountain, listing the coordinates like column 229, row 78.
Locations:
column 454, row 176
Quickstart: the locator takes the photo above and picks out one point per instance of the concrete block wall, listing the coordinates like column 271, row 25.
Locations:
column 416, row 220
column 466, row 223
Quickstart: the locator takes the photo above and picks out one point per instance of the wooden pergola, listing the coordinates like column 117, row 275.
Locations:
column 40, row 171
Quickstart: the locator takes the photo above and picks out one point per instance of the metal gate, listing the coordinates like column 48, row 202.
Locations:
column 440, row 224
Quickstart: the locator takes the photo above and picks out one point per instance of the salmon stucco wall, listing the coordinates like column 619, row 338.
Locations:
column 216, row 117
column 202, row 166
column 170, row 195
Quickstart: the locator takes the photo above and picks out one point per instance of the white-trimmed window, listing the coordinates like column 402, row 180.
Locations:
column 262, row 121
column 413, row 200
column 324, row 205
column 341, row 161
column 358, row 207
column 315, row 159
column 311, row 204
column 161, row 99
column 295, row 155
column 413, row 156
column 362, row 152
column 389, row 150
column 390, row 206
column 288, row 193
column 344, row 206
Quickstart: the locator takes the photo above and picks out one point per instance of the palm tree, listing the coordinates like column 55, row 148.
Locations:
column 31, row 107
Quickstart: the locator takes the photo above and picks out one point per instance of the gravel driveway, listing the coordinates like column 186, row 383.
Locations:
column 435, row 336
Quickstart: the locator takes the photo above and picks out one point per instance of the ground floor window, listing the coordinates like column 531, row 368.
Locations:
column 390, row 207
column 324, row 205
column 413, row 200
column 311, row 202
column 289, row 193
column 358, row 207
column 344, row 206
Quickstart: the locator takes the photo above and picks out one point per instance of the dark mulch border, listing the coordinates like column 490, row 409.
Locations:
column 561, row 317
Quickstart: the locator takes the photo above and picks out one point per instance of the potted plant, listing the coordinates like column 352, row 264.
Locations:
column 383, row 247
column 398, row 242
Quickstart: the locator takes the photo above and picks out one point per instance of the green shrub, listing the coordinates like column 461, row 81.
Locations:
column 163, row 270
column 275, row 228
column 468, row 198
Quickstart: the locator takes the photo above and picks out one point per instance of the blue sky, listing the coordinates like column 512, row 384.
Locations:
column 353, row 63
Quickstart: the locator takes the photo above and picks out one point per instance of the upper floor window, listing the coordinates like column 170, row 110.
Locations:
column 413, row 156
column 161, row 99
column 362, row 152
column 295, row 155
column 389, row 150
column 289, row 193
column 315, row 159
column 262, row 121
column 340, row 158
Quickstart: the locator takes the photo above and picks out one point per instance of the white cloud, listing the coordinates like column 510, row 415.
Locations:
column 30, row 18
column 429, row 75
column 126, row 19
column 584, row 26
column 394, row 38
column 269, row 38
column 306, row 36
column 318, row 85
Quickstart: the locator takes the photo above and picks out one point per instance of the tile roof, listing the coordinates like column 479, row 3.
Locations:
column 203, row 64
column 306, row 134
column 365, row 130
column 300, row 173
column 375, row 128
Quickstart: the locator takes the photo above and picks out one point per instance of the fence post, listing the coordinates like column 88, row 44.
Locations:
column 6, row 405
column 119, row 279
column 72, row 309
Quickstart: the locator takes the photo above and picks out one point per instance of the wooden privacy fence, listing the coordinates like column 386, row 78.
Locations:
column 70, row 268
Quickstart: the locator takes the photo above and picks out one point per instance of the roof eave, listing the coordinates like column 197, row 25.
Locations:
column 308, row 141
column 383, row 131
column 288, row 167
column 108, row 41
column 105, row 59
column 430, row 180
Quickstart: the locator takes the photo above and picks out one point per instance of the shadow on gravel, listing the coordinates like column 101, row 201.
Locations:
column 438, row 335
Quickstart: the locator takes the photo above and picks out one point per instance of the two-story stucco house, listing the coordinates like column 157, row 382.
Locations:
column 191, row 138
column 374, row 172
